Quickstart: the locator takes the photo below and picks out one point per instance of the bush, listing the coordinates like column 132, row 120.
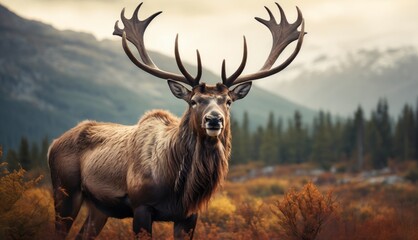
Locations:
column 301, row 215
column 265, row 187
column 24, row 210
column 220, row 210
column 412, row 175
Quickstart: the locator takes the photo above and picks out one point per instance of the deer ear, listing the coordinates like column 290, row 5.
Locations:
column 240, row 91
column 178, row 90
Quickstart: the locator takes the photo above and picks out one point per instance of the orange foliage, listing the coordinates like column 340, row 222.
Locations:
column 301, row 215
column 253, row 209
column 24, row 210
column 376, row 212
column 261, row 187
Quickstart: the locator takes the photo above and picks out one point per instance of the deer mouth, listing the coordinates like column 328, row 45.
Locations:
column 213, row 124
column 213, row 131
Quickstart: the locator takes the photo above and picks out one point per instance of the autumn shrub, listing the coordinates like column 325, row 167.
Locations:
column 162, row 230
column 261, row 187
column 243, row 218
column 219, row 211
column 241, row 170
column 412, row 175
column 252, row 209
column 374, row 221
column 255, row 215
column 24, row 210
column 301, row 215
column 382, row 212
column 264, row 187
column 218, row 221
column 236, row 190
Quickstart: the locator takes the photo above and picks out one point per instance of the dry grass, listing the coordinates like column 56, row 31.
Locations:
column 253, row 209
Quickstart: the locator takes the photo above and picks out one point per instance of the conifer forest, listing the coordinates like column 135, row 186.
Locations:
column 334, row 178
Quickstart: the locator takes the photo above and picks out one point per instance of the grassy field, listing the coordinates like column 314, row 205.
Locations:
column 284, row 202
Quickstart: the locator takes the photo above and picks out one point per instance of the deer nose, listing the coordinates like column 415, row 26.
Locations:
column 213, row 120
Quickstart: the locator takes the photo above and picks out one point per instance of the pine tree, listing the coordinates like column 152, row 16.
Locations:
column 380, row 135
column 236, row 154
column 323, row 151
column 416, row 130
column 256, row 142
column 35, row 155
column 338, row 136
column 297, row 140
column 281, row 156
column 44, row 152
column 349, row 135
column 268, row 148
column 24, row 154
column 359, row 137
column 245, row 138
column 404, row 134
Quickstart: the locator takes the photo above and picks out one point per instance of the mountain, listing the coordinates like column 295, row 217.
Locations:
column 340, row 84
column 50, row 80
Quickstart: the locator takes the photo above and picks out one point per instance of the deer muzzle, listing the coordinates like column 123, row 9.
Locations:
column 213, row 123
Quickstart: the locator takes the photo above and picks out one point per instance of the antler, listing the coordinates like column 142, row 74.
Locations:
column 283, row 34
column 134, row 32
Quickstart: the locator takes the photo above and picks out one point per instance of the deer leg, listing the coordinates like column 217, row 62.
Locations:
column 142, row 223
column 67, row 206
column 93, row 224
column 185, row 228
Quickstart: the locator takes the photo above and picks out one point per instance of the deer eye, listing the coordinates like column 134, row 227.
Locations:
column 229, row 102
column 193, row 103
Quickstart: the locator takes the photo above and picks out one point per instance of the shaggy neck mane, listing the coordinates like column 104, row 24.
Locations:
column 201, row 164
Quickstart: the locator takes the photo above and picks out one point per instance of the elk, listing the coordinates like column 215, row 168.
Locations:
column 163, row 168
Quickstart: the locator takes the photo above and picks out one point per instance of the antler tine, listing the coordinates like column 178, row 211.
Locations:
column 229, row 81
column 283, row 34
column 283, row 18
column 283, row 30
column 150, row 69
column 137, row 29
column 193, row 81
column 133, row 32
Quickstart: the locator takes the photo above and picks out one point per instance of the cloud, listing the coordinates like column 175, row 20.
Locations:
column 216, row 27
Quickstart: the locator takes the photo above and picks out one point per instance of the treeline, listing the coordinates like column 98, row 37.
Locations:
column 29, row 155
column 353, row 143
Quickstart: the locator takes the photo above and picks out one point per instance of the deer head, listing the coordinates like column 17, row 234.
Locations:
column 209, row 105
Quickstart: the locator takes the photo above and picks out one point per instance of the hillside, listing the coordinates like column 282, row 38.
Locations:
column 50, row 80
column 340, row 84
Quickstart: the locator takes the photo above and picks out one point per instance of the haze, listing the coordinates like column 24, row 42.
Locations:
column 216, row 27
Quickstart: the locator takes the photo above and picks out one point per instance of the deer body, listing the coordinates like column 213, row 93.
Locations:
column 163, row 168
column 123, row 167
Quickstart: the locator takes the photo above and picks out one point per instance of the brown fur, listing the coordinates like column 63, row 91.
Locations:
column 163, row 168
column 163, row 161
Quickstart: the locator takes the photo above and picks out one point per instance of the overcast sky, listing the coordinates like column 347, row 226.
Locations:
column 216, row 27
